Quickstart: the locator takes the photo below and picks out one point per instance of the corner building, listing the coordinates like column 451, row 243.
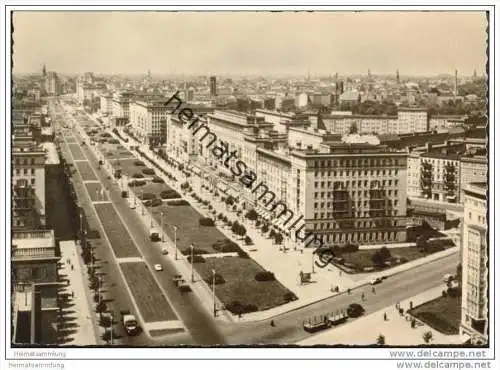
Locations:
column 350, row 193
column 474, row 323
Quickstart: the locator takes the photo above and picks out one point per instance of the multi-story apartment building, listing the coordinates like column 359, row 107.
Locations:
column 107, row 103
column 411, row 120
column 279, row 119
column 440, row 176
column 28, row 184
column 149, row 121
column 34, row 258
column 350, row 193
column 413, row 186
column 472, row 169
column 231, row 128
column 52, row 83
column 121, row 105
column 443, row 122
column 350, row 190
column 474, row 321
column 406, row 121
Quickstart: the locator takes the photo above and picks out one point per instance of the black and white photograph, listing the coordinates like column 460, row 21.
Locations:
column 269, row 179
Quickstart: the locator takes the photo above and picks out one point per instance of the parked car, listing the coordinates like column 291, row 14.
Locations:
column 376, row 281
column 155, row 237
column 164, row 251
column 158, row 267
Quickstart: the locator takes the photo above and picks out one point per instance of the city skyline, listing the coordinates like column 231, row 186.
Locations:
column 211, row 49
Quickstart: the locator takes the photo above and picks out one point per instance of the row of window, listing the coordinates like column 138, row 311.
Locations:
column 359, row 162
column 358, row 204
column 354, row 183
column 358, row 213
column 359, row 237
column 25, row 171
column 356, row 173
column 25, row 162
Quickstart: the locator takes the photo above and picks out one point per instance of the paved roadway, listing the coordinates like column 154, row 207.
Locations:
column 205, row 331
column 197, row 320
column 394, row 289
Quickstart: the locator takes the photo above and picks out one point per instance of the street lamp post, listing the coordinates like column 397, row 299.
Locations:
column 175, row 241
column 213, row 292
column 111, row 330
column 151, row 214
column 312, row 262
column 192, row 263
column 162, row 229
column 142, row 199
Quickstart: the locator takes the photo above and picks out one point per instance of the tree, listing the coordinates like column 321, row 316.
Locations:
column 386, row 253
column 278, row 238
column 450, row 179
column 459, row 275
column 251, row 215
column 426, row 179
column 427, row 336
column 265, row 228
column 354, row 128
column 381, row 340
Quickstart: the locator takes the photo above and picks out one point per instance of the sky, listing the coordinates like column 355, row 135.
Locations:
column 239, row 43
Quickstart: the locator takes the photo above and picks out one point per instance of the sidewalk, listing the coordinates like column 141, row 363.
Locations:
column 265, row 253
column 397, row 330
column 79, row 303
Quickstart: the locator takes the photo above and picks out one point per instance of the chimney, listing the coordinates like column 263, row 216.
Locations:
column 429, row 146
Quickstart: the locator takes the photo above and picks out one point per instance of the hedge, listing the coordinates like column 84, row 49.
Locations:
column 196, row 250
column 226, row 246
column 148, row 171
column 289, row 297
column 178, row 202
column 139, row 163
column 136, row 183
column 265, row 276
column 156, row 202
column 138, row 175
column 147, row 196
column 169, row 194
column 196, row 258
column 206, row 221
column 158, row 180
column 219, row 279
column 237, row 308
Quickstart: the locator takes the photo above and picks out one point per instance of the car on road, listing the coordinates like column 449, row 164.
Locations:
column 355, row 310
column 376, row 281
column 158, row 267
column 155, row 237
column 164, row 251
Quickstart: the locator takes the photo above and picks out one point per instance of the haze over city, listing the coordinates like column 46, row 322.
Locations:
column 262, row 43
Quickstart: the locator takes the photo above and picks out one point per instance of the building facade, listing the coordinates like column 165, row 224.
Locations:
column 52, row 84
column 474, row 323
column 28, row 184
column 350, row 193
column 440, row 176
column 149, row 121
column 107, row 103
column 406, row 121
column 34, row 256
column 472, row 169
